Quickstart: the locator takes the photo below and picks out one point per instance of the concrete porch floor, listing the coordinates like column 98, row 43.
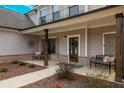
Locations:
column 84, row 70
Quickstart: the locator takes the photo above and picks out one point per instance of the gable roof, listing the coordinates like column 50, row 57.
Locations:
column 12, row 19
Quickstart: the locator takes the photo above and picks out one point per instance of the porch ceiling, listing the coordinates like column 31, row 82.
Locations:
column 90, row 24
column 97, row 19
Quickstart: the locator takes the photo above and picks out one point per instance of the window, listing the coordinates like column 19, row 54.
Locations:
column 43, row 19
column 51, row 46
column 73, row 10
column 56, row 8
column 56, row 12
column 43, row 15
column 56, row 16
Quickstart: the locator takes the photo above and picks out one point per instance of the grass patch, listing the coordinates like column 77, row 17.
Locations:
column 22, row 64
column 3, row 69
column 14, row 62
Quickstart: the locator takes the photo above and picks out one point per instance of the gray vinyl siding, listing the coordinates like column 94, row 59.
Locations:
column 64, row 11
column 93, row 7
column 95, row 39
column 33, row 18
column 12, row 43
column 62, row 45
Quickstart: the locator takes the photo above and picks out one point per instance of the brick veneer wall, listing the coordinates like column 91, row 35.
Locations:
column 22, row 57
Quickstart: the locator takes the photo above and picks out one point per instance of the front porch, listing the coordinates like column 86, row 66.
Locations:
column 78, row 39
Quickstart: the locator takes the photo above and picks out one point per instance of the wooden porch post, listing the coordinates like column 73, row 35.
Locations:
column 119, row 47
column 123, row 47
column 45, row 47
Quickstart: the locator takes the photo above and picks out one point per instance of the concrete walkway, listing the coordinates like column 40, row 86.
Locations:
column 25, row 79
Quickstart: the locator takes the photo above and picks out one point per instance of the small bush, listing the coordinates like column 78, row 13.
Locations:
column 31, row 66
column 65, row 71
column 14, row 62
column 3, row 69
column 22, row 64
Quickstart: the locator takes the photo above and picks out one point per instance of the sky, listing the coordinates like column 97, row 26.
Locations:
column 18, row 8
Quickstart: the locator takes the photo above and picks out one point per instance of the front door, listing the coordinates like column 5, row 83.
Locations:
column 109, row 44
column 73, row 49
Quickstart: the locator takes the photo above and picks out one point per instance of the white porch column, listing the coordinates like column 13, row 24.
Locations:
column 86, row 40
column 86, row 8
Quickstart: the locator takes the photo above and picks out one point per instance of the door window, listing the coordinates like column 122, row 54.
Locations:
column 73, row 49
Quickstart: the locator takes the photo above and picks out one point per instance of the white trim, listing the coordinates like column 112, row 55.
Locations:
column 10, row 30
column 66, row 29
column 86, row 8
column 38, row 15
column 51, row 37
column 43, row 8
column 40, row 29
column 69, row 36
column 102, row 25
column 103, row 42
column 86, row 40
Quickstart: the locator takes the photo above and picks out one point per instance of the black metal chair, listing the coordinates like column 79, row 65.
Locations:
column 99, row 60
column 38, row 55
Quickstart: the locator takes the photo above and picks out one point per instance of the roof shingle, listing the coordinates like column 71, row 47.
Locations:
column 9, row 18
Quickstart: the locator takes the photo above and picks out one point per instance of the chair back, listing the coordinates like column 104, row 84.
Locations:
column 37, row 53
column 99, row 57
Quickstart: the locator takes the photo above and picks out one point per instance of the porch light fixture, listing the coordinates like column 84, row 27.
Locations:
column 65, row 37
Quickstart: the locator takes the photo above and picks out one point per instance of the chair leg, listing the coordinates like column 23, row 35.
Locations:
column 95, row 65
column 109, row 69
column 115, row 68
column 90, row 64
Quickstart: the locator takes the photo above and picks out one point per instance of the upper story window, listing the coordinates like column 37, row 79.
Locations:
column 73, row 10
column 43, row 15
column 56, row 12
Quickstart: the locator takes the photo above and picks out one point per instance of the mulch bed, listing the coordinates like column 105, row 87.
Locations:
column 79, row 82
column 16, row 70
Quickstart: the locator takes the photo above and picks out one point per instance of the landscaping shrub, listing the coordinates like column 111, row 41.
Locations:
column 97, row 80
column 22, row 63
column 3, row 69
column 14, row 62
column 31, row 66
column 65, row 71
